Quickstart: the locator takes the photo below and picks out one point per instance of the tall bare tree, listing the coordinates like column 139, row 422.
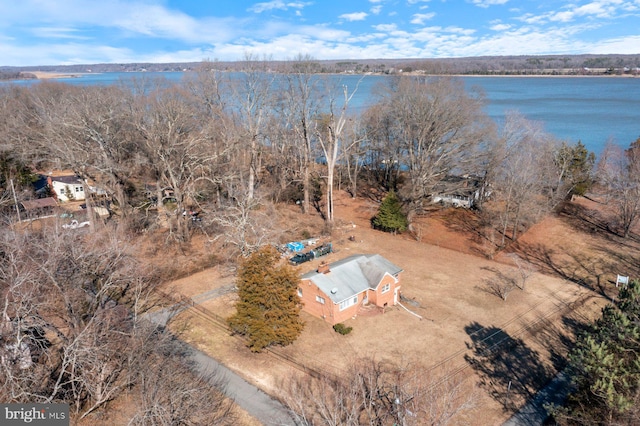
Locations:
column 383, row 151
column 437, row 126
column 251, row 103
column 300, row 104
column 524, row 180
column 619, row 173
column 329, row 132
column 67, row 315
column 182, row 152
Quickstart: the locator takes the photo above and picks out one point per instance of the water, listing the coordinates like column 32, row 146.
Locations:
column 593, row 110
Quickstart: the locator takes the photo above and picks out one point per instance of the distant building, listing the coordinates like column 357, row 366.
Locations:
column 39, row 207
column 461, row 191
column 67, row 188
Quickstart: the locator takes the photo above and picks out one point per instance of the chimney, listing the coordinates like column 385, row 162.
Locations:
column 323, row 268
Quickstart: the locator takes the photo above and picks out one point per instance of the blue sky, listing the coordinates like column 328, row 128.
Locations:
column 53, row 32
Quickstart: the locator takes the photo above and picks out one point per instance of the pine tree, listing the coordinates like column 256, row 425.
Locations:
column 605, row 366
column 390, row 217
column 576, row 163
column 268, row 312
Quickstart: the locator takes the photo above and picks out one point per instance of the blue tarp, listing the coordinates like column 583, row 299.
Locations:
column 295, row 246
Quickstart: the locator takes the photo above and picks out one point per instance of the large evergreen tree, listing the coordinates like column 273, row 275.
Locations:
column 268, row 312
column 575, row 164
column 605, row 366
column 390, row 217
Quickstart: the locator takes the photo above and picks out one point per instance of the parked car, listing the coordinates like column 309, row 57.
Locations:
column 74, row 224
column 319, row 251
column 301, row 258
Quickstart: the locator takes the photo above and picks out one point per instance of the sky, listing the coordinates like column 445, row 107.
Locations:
column 64, row 32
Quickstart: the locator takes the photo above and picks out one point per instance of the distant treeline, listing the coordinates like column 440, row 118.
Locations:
column 15, row 75
column 484, row 65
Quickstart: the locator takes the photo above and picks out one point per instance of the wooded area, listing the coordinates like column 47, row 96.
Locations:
column 214, row 155
column 484, row 65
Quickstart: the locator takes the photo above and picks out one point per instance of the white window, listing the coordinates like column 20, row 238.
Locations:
column 299, row 292
column 349, row 302
column 79, row 189
column 386, row 288
column 320, row 299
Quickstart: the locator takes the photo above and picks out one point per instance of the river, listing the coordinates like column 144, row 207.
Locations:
column 593, row 110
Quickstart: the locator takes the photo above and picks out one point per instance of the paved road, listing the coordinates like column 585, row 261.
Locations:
column 250, row 398
column 258, row 404
column 533, row 413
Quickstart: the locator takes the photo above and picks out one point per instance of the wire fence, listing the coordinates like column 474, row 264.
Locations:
column 184, row 303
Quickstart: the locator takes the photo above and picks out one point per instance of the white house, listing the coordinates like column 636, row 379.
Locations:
column 67, row 188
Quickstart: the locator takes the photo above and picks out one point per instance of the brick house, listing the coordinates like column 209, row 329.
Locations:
column 334, row 292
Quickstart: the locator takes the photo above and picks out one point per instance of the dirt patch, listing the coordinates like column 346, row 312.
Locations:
column 445, row 282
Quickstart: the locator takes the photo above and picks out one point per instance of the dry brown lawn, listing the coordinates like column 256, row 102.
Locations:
column 574, row 259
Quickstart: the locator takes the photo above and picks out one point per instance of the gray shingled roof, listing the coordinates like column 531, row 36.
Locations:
column 67, row 179
column 39, row 203
column 352, row 275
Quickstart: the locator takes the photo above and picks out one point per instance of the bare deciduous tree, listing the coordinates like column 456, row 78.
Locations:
column 171, row 392
column 436, row 126
column 379, row 393
column 524, row 176
column 246, row 223
column 500, row 284
column 251, row 104
column 329, row 134
column 299, row 105
column 619, row 173
column 182, row 152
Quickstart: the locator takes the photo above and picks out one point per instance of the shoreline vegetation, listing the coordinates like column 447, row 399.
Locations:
column 491, row 66
column 46, row 75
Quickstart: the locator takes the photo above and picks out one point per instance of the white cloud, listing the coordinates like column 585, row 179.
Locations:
column 133, row 18
column 487, row 3
column 500, row 27
column 357, row 16
column 420, row 18
column 386, row 27
column 149, row 23
column 321, row 33
column 600, row 9
column 276, row 4
column 624, row 45
column 58, row 32
column 595, row 10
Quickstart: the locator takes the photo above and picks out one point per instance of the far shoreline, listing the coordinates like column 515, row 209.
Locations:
column 45, row 75
column 54, row 75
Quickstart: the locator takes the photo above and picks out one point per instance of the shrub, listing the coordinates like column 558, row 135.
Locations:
column 342, row 329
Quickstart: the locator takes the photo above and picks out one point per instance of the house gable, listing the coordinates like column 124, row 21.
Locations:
column 65, row 185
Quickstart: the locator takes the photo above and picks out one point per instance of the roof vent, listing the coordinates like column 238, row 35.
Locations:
column 334, row 290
